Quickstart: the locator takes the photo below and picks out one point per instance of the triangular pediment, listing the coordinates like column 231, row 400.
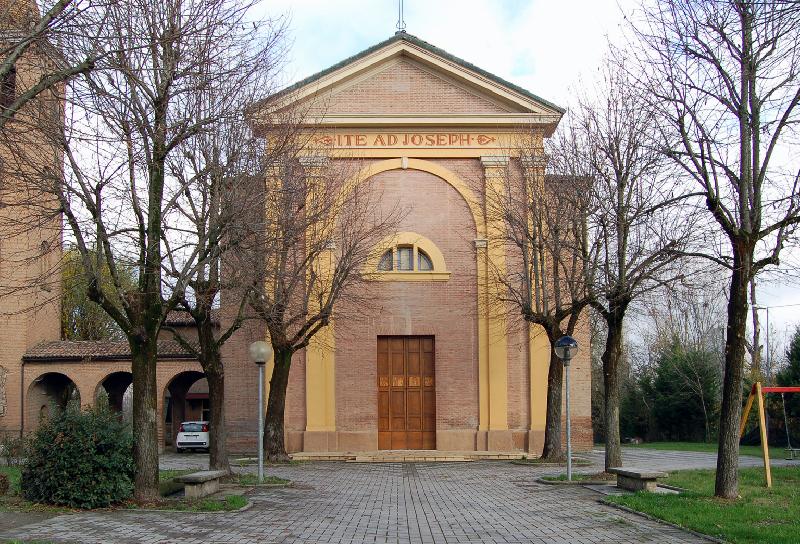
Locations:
column 404, row 86
column 405, row 80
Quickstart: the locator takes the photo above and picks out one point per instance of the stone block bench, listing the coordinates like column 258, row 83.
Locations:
column 201, row 484
column 635, row 479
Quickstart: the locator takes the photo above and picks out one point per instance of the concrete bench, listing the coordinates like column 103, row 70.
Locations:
column 635, row 479
column 201, row 484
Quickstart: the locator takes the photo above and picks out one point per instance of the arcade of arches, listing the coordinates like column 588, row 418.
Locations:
column 182, row 385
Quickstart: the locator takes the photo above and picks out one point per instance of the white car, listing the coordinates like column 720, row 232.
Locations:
column 192, row 435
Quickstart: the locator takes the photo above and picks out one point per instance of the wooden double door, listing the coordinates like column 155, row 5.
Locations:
column 406, row 393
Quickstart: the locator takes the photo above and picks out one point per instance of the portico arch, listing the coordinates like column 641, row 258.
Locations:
column 49, row 391
column 115, row 385
column 174, row 396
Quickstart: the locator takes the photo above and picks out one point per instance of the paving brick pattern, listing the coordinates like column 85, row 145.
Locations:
column 483, row 501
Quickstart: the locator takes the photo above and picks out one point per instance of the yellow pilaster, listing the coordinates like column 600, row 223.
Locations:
column 533, row 167
column 483, row 334
column 495, row 171
column 539, row 360
column 320, row 354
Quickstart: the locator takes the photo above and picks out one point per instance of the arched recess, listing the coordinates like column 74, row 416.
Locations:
column 48, row 392
column 178, row 405
column 118, row 387
column 425, row 166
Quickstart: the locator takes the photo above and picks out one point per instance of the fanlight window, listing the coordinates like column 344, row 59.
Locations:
column 401, row 259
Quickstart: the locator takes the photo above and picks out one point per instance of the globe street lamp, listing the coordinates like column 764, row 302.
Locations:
column 566, row 348
column 260, row 351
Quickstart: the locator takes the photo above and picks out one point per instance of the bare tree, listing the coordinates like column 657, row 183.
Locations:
column 221, row 170
column 546, row 228
column 320, row 229
column 634, row 221
column 127, row 121
column 725, row 78
column 44, row 45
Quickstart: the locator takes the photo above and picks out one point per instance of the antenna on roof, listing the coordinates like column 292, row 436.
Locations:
column 401, row 23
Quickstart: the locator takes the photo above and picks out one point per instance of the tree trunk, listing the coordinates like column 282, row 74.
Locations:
column 274, row 444
column 145, row 420
column 727, row 482
column 218, row 452
column 610, row 358
column 211, row 361
column 552, row 428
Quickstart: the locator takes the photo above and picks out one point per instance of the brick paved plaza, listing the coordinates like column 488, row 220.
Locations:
column 485, row 501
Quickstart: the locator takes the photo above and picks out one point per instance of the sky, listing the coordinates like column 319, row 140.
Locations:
column 546, row 46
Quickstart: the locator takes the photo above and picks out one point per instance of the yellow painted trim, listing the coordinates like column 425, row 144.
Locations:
column 495, row 255
column 321, row 381
column 483, row 339
column 493, row 120
column 321, row 367
column 320, row 354
column 407, row 276
column 539, row 360
column 407, row 238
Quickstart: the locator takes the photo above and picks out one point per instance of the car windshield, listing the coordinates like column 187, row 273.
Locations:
column 192, row 427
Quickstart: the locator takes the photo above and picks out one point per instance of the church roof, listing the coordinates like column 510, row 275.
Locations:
column 97, row 350
column 403, row 36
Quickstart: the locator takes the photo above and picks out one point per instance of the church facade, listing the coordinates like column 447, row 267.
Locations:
column 436, row 364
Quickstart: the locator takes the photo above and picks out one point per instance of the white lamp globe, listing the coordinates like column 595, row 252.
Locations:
column 260, row 351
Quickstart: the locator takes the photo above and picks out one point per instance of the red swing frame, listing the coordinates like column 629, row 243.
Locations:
column 758, row 391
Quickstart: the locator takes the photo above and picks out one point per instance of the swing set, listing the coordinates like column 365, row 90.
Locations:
column 758, row 392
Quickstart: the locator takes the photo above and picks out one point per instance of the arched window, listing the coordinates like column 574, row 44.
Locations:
column 410, row 257
column 386, row 264
column 424, row 263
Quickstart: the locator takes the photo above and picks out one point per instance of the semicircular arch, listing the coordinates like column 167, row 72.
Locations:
column 437, row 170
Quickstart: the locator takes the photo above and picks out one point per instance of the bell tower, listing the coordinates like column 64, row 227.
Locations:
column 30, row 225
column 18, row 14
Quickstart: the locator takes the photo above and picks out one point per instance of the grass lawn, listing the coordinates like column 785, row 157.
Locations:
column 760, row 515
column 708, row 447
column 14, row 473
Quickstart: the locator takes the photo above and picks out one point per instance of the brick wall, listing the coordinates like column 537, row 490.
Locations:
column 404, row 86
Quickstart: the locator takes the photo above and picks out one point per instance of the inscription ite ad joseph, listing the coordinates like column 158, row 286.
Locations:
column 407, row 139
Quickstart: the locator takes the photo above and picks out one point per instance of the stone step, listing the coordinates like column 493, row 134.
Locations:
column 406, row 456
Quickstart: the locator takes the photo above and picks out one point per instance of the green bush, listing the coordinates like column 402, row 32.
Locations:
column 81, row 459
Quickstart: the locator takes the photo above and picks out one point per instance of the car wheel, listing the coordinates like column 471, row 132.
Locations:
column 178, row 450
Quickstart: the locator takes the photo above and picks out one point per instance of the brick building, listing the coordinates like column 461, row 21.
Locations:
column 435, row 365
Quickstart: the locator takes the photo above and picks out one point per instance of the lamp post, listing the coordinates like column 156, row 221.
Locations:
column 566, row 347
column 260, row 351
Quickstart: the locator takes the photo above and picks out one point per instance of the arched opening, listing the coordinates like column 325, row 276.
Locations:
column 49, row 392
column 185, row 399
column 118, row 389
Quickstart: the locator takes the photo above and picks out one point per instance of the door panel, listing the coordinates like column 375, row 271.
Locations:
column 406, row 392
